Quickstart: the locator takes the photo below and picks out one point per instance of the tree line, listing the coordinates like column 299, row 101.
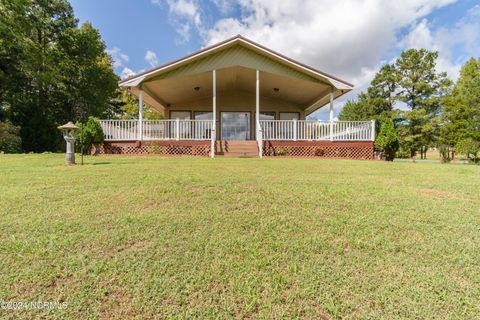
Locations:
column 417, row 107
column 52, row 70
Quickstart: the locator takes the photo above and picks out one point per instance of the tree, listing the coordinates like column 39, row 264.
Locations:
column 387, row 140
column 377, row 103
column 422, row 90
column 470, row 148
column 461, row 115
column 51, row 70
column 360, row 110
column 127, row 107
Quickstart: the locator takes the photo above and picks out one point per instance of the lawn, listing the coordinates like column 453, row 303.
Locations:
column 151, row 237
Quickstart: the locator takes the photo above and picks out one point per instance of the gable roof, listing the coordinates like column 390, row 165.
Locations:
column 137, row 79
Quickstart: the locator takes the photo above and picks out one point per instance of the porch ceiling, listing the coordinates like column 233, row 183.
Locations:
column 182, row 89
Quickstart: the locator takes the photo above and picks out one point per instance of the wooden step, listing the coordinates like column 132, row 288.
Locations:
column 240, row 148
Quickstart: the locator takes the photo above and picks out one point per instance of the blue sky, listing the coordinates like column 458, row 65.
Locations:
column 347, row 38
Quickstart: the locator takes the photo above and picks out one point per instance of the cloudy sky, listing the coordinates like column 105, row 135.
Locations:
column 347, row 38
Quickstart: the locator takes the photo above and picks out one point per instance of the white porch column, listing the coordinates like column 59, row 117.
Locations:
column 214, row 111
column 140, row 115
column 258, row 132
column 331, row 115
column 257, row 103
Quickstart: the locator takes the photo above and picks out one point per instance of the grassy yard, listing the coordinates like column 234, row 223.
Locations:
column 150, row 237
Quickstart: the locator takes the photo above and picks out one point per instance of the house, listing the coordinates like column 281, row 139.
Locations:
column 238, row 98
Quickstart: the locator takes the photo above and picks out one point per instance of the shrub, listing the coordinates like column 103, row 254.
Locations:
column 319, row 152
column 156, row 149
column 470, row 148
column 387, row 140
column 90, row 133
column 282, row 151
column 10, row 141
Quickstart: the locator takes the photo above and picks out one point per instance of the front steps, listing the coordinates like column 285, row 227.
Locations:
column 237, row 148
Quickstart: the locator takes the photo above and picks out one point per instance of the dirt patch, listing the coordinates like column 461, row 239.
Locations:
column 118, row 305
column 125, row 247
column 445, row 195
column 134, row 245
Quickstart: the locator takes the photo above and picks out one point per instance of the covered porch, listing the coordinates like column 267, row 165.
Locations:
column 236, row 91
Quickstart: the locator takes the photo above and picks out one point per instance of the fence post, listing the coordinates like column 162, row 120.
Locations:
column 140, row 115
column 373, row 130
column 294, row 129
column 331, row 130
column 177, row 129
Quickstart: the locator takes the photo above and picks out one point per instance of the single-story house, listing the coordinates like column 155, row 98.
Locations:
column 238, row 98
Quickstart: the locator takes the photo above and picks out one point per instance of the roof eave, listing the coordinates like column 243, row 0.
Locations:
column 136, row 80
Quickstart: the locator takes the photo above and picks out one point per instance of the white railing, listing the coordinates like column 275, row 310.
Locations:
column 174, row 129
column 318, row 130
column 120, row 129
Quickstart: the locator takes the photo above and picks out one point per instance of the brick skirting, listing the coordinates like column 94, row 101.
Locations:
column 319, row 149
column 170, row 148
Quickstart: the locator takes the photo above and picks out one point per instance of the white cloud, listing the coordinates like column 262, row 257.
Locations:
column 464, row 34
column 151, row 58
column 343, row 37
column 126, row 72
column 224, row 6
column 347, row 38
column 183, row 14
column 119, row 58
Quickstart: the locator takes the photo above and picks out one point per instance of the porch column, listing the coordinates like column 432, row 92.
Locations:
column 257, row 104
column 331, row 115
column 214, row 111
column 140, row 115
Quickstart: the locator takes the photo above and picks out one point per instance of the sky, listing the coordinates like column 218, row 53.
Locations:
column 350, row 39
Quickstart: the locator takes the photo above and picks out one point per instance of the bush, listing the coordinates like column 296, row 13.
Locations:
column 10, row 141
column 387, row 140
column 90, row 133
column 470, row 148
column 282, row 151
column 319, row 152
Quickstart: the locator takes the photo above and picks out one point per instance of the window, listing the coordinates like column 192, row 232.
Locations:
column 202, row 129
column 267, row 127
column 182, row 115
column 289, row 116
column 267, row 115
column 203, row 115
column 184, row 130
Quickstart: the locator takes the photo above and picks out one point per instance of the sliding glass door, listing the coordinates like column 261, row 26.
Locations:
column 235, row 125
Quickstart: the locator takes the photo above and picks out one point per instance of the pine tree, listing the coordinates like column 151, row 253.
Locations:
column 460, row 125
column 422, row 90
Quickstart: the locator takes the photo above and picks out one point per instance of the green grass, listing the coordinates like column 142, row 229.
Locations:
column 151, row 237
